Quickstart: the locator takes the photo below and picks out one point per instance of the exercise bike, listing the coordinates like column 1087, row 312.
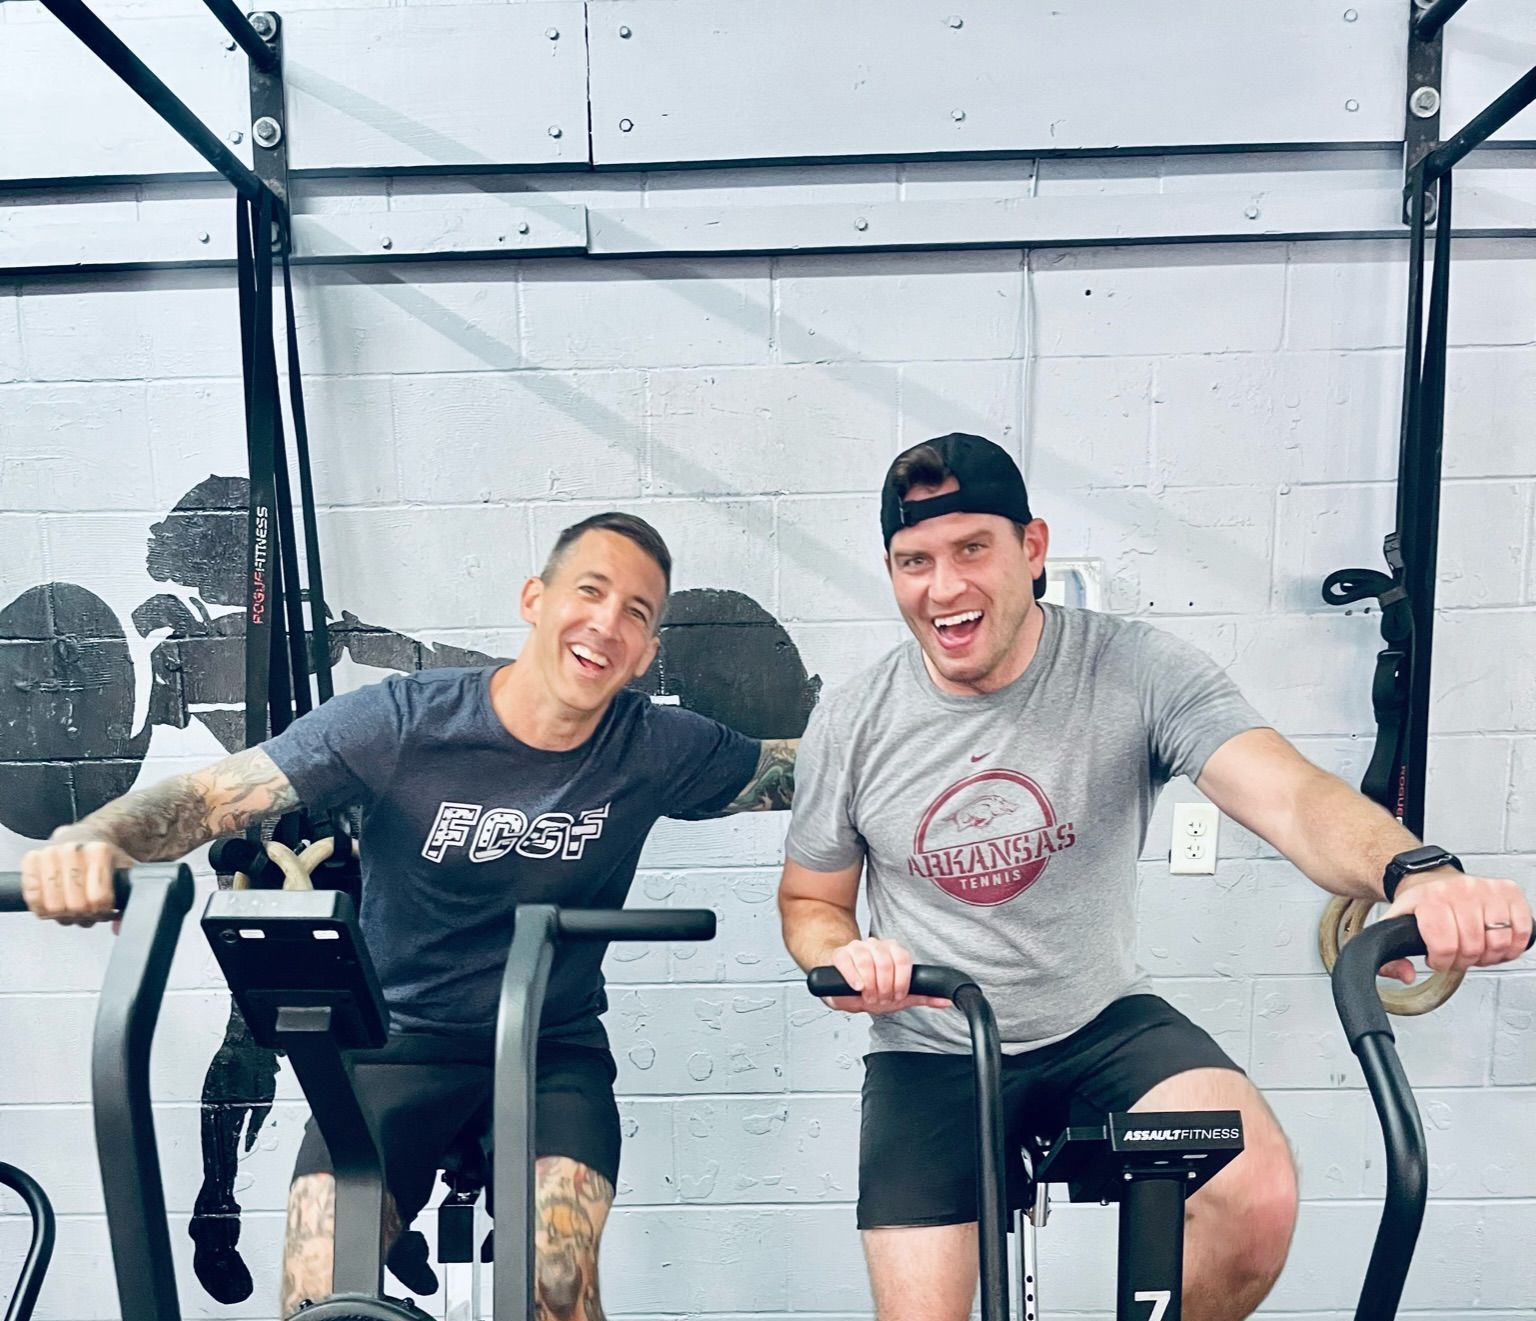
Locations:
column 1371, row 1039
column 39, row 1250
column 153, row 905
column 297, row 967
column 1150, row 1162
column 329, row 995
column 156, row 899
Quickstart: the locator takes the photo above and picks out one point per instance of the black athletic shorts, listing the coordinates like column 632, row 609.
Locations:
column 917, row 1142
column 428, row 1095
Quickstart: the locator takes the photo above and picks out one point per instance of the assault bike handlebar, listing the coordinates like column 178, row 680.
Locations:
column 935, row 980
column 537, row 930
column 153, row 901
column 1370, row 1037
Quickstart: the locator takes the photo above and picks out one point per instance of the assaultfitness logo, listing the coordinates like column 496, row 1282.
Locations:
column 987, row 839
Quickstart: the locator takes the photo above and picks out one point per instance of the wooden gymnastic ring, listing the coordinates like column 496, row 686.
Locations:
column 315, row 854
column 1342, row 921
column 295, row 867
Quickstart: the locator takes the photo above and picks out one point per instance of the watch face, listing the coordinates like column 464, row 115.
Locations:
column 1422, row 858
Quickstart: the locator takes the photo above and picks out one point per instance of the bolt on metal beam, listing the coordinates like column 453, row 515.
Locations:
column 252, row 40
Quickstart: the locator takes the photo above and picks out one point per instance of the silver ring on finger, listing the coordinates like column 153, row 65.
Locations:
column 1498, row 926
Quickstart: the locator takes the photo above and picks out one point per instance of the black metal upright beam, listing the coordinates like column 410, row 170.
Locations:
column 1441, row 161
column 269, row 116
column 239, row 27
column 1429, row 23
column 1421, row 112
column 108, row 48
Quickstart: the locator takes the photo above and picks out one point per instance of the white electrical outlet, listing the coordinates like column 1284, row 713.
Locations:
column 1193, row 849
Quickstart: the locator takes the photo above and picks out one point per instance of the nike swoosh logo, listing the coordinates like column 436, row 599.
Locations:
column 979, row 757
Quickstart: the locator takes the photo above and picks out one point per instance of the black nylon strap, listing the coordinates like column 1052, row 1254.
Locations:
column 318, row 615
column 278, row 659
column 264, row 668
column 260, row 560
column 341, row 870
column 269, row 670
column 1399, row 685
column 1421, row 544
column 265, row 453
column 1383, row 779
column 295, row 661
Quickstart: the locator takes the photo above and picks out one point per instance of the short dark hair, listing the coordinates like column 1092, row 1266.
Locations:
column 625, row 525
column 923, row 465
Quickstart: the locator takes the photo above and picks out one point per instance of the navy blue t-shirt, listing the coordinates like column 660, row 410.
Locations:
column 462, row 822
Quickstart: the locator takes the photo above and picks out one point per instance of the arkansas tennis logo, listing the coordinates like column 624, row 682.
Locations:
column 987, row 839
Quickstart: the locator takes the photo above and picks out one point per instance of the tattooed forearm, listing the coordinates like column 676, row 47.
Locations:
column 172, row 818
column 571, row 1202
column 772, row 786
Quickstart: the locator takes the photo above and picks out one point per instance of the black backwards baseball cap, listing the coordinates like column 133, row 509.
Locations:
column 990, row 483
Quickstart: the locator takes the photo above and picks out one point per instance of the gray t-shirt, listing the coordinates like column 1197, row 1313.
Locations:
column 1000, row 832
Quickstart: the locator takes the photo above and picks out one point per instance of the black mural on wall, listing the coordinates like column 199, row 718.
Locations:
column 67, row 746
column 67, row 743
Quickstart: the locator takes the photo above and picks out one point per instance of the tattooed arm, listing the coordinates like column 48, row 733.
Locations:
column 70, row 878
column 771, row 787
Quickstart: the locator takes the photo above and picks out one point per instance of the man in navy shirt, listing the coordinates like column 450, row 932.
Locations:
column 479, row 790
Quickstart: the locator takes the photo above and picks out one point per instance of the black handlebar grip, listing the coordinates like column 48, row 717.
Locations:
column 825, row 981
column 927, row 979
column 637, row 924
column 1354, row 973
column 234, row 853
column 12, row 900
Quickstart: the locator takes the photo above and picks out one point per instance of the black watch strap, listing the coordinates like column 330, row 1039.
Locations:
column 1424, row 858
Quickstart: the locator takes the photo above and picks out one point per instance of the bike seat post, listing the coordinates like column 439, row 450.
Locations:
column 1027, row 1223
column 306, row 1034
column 1151, row 1246
column 1027, row 1281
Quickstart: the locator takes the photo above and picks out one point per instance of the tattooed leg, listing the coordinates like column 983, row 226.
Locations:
column 572, row 1202
column 309, row 1250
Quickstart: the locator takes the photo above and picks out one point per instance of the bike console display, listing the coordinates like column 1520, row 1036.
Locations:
column 288, row 952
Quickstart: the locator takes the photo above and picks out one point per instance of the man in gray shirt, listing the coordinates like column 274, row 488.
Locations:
column 994, row 779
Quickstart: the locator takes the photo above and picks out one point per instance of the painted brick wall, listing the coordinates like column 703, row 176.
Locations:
column 1215, row 425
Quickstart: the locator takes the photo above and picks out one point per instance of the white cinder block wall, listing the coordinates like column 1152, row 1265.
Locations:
column 1216, row 425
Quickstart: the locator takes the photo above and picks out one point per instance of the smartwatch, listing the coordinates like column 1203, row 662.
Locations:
column 1424, row 858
